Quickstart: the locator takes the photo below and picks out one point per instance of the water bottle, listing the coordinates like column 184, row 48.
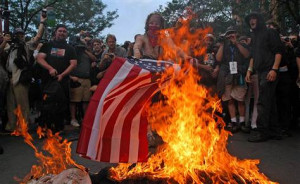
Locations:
column 241, row 80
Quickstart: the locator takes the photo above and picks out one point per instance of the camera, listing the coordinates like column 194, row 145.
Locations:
column 221, row 38
column 76, row 42
column 111, row 55
column 44, row 13
column 286, row 39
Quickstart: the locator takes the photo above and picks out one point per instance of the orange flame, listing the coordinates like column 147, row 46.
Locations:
column 58, row 150
column 182, row 40
column 194, row 149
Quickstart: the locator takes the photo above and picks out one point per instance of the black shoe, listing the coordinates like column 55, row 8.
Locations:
column 232, row 127
column 276, row 136
column 245, row 129
column 286, row 133
column 258, row 137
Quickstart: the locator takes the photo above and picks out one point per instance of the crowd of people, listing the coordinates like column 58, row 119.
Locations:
column 255, row 75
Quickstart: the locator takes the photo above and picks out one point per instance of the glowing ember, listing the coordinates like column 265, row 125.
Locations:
column 58, row 156
column 194, row 149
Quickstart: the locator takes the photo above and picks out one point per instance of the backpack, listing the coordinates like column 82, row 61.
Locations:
column 24, row 63
column 54, row 99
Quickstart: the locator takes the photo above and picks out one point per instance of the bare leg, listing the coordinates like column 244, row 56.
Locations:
column 241, row 108
column 231, row 108
column 73, row 110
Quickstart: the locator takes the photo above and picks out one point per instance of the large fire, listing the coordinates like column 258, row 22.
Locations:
column 194, row 148
column 56, row 154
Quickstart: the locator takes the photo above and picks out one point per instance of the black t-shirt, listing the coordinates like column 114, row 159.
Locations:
column 58, row 54
column 297, row 53
column 98, row 56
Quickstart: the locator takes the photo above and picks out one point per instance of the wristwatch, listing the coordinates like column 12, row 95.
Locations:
column 275, row 70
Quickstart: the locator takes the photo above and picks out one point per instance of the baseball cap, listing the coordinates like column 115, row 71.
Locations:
column 19, row 30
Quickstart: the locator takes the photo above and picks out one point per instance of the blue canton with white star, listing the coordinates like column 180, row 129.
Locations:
column 150, row 64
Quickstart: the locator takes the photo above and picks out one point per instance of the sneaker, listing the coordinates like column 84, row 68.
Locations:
column 75, row 123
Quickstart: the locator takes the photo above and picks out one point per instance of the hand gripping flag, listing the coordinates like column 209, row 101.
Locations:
column 114, row 128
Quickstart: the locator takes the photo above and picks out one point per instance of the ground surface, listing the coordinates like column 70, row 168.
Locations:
column 280, row 160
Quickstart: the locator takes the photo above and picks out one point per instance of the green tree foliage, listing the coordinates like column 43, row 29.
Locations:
column 214, row 13
column 219, row 14
column 288, row 15
column 87, row 15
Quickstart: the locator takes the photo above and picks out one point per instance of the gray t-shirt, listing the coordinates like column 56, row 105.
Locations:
column 83, row 66
column 119, row 52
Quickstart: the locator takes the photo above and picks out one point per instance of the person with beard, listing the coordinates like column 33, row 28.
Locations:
column 231, row 85
column 113, row 49
column 58, row 58
column 265, row 60
column 108, row 56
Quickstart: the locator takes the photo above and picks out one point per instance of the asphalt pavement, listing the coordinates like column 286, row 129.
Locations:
column 279, row 159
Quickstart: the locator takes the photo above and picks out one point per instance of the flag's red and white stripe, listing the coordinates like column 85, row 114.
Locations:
column 115, row 127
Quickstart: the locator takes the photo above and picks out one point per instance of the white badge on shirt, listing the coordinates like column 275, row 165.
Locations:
column 233, row 67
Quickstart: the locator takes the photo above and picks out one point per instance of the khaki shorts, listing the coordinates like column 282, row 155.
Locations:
column 234, row 92
column 81, row 93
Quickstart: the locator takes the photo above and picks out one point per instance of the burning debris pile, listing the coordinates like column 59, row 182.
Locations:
column 55, row 164
column 194, row 149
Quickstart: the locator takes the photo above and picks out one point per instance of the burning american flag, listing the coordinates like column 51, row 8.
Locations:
column 115, row 126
